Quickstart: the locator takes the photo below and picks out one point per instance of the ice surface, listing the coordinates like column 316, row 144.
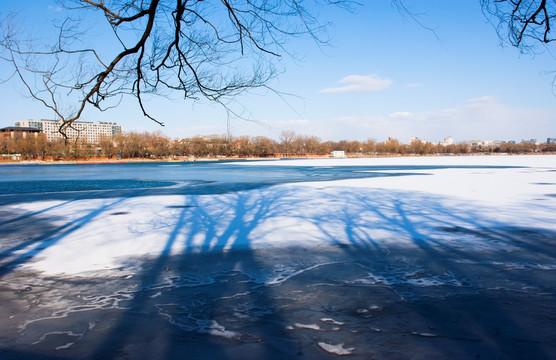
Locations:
column 446, row 207
column 461, row 255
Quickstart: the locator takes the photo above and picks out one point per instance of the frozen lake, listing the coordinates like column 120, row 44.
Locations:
column 190, row 176
column 392, row 258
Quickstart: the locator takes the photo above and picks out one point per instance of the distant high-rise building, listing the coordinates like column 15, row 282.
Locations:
column 415, row 139
column 448, row 140
column 531, row 141
column 88, row 131
column 551, row 140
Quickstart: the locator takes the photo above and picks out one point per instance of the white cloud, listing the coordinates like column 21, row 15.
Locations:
column 402, row 114
column 485, row 118
column 360, row 84
column 479, row 118
column 482, row 99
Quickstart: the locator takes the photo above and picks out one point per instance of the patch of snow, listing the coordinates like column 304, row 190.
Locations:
column 424, row 334
column 307, row 326
column 214, row 328
column 68, row 333
column 332, row 321
column 336, row 349
column 64, row 347
column 157, row 294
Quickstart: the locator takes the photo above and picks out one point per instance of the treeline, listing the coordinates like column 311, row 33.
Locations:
column 157, row 145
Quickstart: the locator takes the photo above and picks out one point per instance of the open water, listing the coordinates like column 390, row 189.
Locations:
column 195, row 176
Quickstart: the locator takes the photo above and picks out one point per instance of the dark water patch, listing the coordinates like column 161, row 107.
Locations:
column 49, row 186
column 120, row 213
column 180, row 206
column 551, row 195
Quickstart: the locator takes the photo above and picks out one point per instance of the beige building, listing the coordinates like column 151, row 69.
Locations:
column 88, row 131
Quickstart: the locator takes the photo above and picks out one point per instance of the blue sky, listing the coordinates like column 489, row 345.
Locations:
column 383, row 75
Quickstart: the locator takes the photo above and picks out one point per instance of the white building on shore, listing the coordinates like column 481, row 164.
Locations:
column 88, row 131
column 448, row 140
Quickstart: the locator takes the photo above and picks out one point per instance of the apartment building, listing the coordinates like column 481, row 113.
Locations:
column 88, row 131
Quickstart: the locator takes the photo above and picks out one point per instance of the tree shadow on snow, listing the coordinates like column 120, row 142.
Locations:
column 370, row 273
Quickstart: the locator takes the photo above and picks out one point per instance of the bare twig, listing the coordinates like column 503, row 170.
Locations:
column 212, row 50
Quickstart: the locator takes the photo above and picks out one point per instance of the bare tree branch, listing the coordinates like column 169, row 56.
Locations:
column 522, row 22
column 201, row 49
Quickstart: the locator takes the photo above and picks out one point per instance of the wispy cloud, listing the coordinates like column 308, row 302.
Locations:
column 484, row 117
column 360, row 84
column 403, row 115
column 481, row 100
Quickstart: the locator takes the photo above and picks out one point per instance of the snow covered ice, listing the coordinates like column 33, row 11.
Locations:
column 417, row 257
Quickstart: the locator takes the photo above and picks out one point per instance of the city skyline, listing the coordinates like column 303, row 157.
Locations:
column 384, row 75
column 96, row 129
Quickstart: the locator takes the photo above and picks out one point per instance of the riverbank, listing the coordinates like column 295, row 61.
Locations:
column 104, row 160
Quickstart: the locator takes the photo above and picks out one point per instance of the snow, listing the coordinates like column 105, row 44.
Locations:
column 308, row 326
column 496, row 186
column 64, row 347
column 366, row 267
column 215, row 329
column 332, row 321
column 424, row 334
column 336, row 349
column 439, row 204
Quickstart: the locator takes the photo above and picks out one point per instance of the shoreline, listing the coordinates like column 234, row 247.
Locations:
column 186, row 159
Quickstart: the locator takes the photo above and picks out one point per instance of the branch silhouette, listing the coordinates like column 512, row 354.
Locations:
column 198, row 49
